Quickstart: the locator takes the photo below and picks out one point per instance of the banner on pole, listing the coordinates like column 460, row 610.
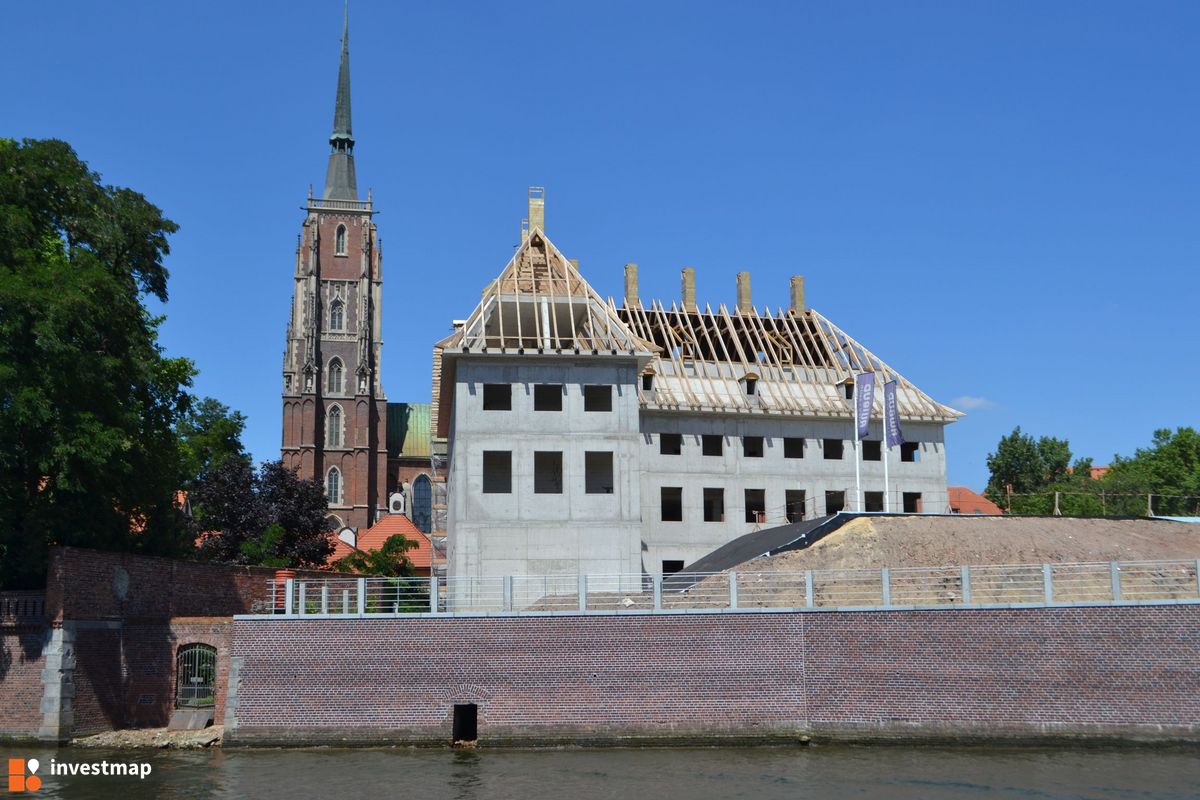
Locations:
column 891, row 416
column 864, row 401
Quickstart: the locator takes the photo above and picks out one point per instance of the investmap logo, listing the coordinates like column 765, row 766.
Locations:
column 22, row 775
column 23, row 772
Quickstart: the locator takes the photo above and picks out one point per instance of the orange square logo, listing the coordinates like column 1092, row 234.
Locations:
column 17, row 781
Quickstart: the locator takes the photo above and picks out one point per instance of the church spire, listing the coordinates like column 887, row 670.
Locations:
column 340, row 183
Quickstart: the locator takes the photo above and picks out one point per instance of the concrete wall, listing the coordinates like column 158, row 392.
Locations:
column 523, row 533
column 692, row 538
column 1119, row 672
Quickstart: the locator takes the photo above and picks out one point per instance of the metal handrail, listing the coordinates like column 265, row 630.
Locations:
column 1072, row 583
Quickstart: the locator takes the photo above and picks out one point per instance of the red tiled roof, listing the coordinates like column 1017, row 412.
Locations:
column 373, row 538
column 965, row 501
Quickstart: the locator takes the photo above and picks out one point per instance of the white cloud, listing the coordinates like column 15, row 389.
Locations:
column 969, row 403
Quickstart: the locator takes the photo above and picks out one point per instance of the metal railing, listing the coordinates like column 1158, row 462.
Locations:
column 900, row 587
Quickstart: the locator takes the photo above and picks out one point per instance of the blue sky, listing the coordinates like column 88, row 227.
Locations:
column 1000, row 199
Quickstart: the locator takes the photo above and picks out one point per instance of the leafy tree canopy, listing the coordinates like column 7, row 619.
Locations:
column 269, row 517
column 1170, row 467
column 208, row 434
column 389, row 561
column 1168, row 470
column 88, row 401
column 1027, row 465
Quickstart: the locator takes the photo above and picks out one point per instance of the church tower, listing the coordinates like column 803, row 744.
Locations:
column 334, row 408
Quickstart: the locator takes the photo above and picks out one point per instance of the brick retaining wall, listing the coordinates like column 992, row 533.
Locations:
column 104, row 658
column 21, row 664
column 95, row 585
column 1121, row 672
column 124, row 675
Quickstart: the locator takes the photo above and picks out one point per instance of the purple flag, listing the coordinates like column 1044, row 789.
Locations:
column 891, row 416
column 864, row 401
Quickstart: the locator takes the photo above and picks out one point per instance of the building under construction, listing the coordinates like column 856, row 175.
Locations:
column 579, row 436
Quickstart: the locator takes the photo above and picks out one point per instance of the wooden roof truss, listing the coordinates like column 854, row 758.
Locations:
column 798, row 362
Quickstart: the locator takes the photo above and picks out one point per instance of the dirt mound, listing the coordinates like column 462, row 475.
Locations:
column 874, row 542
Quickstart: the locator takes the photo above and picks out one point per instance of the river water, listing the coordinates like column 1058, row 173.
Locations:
column 894, row 773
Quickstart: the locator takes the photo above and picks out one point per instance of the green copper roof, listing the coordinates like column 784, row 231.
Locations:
column 408, row 430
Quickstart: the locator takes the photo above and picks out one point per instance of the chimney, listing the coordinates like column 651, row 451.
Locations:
column 743, row 293
column 689, row 288
column 537, row 208
column 631, row 286
column 797, row 294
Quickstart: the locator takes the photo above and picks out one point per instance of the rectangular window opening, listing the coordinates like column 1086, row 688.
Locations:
column 872, row 450
column 912, row 502
column 752, row 446
column 756, row 505
column 597, row 398
column 873, row 501
column 712, row 445
column 793, row 447
column 672, row 503
column 648, row 382
column 714, row 505
column 794, row 499
column 497, row 472
column 547, row 397
column 466, row 723
column 672, row 565
column 834, row 449
column 910, row 451
column 497, row 397
column 598, row 472
column 835, row 502
column 670, row 444
column 547, row 472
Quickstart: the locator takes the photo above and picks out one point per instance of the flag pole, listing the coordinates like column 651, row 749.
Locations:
column 857, row 450
column 887, row 451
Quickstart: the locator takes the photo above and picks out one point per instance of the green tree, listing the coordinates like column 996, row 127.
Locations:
column 1016, row 464
column 270, row 517
column 88, row 402
column 1169, row 469
column 1028, row 466
column 208, row 434
column 1055, row 455
column 390, row 561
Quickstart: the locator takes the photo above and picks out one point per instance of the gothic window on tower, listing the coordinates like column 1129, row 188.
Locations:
column 339, row 241
column 337, row 377
column 333, row 427
column 333, row 486
column 337, row 315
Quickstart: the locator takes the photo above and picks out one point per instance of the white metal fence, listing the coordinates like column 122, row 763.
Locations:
column 906, row 587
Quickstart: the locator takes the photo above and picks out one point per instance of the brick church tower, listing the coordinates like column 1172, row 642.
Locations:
column 334, row 408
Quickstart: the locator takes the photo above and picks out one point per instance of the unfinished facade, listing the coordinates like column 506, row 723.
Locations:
column 583, row 437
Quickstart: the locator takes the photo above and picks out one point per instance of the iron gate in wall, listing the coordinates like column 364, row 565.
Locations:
column 196, row 676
